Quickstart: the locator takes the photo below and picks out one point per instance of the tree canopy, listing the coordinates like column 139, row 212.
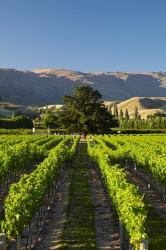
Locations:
column 84, row 112
column 49, row 120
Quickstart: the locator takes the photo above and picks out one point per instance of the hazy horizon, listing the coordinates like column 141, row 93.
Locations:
column 81, row 71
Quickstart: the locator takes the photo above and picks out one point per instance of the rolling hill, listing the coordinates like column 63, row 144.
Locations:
column 146, row 105
column 47, row 86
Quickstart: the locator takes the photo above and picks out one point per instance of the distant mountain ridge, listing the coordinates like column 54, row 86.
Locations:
column 48, row 86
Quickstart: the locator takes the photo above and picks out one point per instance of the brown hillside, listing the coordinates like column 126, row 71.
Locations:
column 48, row 86
column 9, row 106
column 146, row 105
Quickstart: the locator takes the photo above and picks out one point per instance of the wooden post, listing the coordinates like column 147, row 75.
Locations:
column 18, row 243
column 126, row 164
column 2, row 241
column 121, row 235
column 33, row 130
column 29, row 237
column 144, row 245
column 130, row 247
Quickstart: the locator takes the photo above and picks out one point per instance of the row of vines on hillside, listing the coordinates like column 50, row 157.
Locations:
column 125, row 196
column 147, row 153
column 21, row 156
column 26, row 196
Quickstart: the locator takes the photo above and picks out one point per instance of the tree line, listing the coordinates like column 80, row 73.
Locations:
column 84, row 112
column 156, row 121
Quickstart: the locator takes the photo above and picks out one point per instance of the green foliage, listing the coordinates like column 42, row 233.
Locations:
column 115, row 112
column 147, row 151
column 121, row 117
column 126, row 115
column 125, row 196
column 84, row 113
column 17, row 122
column 154, row 122
column 26, row 196
column 136, row 114
column 49, row 120
column 156, row 229
column 30, row 112
column 20, row 153
column 23, row 122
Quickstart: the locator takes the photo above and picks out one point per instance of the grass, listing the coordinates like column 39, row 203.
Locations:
column 156, row 229
column 79, row 232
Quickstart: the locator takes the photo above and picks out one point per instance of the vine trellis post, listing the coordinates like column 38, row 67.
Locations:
column 144, row 245
column 18, row 242
column 2, row 241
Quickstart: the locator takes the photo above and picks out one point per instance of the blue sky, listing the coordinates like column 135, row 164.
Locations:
column 85, row 35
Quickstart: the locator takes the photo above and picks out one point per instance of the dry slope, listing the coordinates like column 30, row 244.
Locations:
column 47, row 86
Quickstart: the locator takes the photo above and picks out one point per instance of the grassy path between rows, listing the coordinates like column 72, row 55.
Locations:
column 79, row 232
column 81, row 217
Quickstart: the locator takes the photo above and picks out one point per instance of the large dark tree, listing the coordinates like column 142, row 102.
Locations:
column 84, row 112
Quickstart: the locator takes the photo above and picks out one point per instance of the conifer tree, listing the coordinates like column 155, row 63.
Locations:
column 126, row 115
column 85, row 113
column 136, row 114
column 121, row 118
column 115, row 111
